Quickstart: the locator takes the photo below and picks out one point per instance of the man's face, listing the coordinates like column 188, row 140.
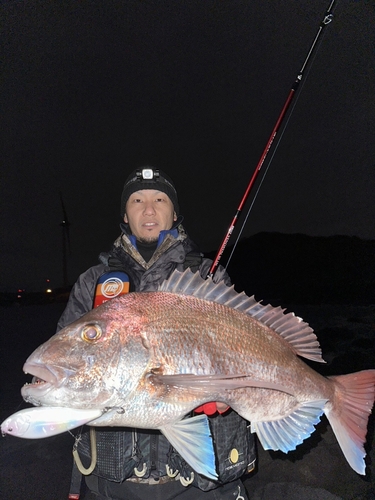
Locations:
column 148, row 212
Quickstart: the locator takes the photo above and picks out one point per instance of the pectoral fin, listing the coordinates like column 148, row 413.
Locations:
column 216, row 383
column 193, row 440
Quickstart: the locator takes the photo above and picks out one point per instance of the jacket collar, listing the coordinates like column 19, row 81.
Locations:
column 174, row 232
column 166, row 240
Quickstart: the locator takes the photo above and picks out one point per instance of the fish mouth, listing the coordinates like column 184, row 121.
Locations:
column 45, row 378
column 42, row 374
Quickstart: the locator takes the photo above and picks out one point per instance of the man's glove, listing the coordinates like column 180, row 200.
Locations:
column 211, row 408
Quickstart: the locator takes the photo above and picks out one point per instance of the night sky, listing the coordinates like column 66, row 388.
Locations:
column 92, row 90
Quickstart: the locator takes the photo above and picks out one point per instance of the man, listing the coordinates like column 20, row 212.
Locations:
column 137, row 464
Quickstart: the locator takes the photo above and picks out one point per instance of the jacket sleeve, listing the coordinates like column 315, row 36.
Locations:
column 81, row 297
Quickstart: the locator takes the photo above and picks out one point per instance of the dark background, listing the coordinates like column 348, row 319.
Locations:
column 94, row 89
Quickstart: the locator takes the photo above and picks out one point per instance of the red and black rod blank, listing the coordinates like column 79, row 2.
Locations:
column 327, row 19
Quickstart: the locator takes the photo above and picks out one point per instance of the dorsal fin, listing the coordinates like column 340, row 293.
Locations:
column 293, row 329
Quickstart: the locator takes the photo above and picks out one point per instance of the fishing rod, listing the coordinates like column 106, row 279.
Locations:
column 328, row 16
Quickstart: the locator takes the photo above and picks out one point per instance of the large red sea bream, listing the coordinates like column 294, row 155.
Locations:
column 146, row 360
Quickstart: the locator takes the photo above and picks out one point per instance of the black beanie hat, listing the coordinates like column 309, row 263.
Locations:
column 148, row 178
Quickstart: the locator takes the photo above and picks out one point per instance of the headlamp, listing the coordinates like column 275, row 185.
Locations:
column 147, row 174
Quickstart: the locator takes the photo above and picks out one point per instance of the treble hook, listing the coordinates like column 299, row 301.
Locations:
column 118, row 409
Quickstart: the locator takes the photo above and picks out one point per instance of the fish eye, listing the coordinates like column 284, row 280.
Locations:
column 90, row 333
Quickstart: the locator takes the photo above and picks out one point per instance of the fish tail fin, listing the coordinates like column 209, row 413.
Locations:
column 349, row 413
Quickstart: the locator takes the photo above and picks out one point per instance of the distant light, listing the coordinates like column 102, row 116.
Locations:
column 48, row 290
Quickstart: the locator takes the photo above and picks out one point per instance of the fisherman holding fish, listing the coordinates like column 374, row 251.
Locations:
column 137, row 463
column 145, row 369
